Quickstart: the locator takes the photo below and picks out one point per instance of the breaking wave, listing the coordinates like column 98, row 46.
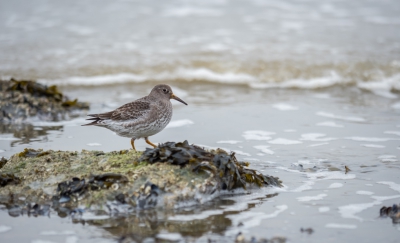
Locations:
column 383, row 86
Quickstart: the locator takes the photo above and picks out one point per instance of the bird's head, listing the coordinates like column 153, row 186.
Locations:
column 165, row 91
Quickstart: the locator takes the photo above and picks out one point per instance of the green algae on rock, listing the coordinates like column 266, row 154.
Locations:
column 170, row 176
column 20, row 100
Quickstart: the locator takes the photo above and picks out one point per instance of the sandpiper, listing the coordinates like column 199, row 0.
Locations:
column 141, row 118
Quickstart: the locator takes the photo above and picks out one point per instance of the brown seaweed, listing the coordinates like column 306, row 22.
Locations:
column 231, row 173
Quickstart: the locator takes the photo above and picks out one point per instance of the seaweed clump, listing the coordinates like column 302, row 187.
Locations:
column 230, row 173
column 76, row 187
column 9, row 179
column 21, row 99
column 393, row 212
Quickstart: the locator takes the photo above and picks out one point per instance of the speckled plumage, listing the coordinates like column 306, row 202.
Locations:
column 141, row 118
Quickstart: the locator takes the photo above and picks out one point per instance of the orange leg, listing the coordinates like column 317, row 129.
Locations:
column 148, row 142
column 133, row 143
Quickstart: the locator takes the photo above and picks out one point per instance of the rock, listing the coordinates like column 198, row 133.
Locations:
column 23, row 99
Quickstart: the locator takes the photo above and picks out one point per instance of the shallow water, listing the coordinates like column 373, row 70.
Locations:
column 276, row 130
column 300, row 89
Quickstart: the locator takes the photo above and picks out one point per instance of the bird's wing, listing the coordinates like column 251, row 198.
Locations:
column 131, row 111
column 139, row 109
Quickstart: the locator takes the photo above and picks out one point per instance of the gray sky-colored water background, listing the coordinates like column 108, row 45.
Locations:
column 299, row 88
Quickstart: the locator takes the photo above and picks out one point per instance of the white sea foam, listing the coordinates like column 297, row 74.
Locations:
column 257, row 135
column 8, row 138
column 312, row 83
column 284, row 107
column 98, row 80
column 385, row 93
column 341, row 226
column 315, row 137
column 306, row 186
column 349, row 211
column 317, row 144
column 323, row 209
column 364, row 193
column 383, row 86
column 93, row 144
column 384, row 198
column 284, row 141
column 230, row 141
column 329, row 124
column 345, row 118
column 179, row 123
column 372, row 145
column 388, row 158
column 2, row 151
column 396, row 106
column 372, row 139
column 264, row 148
column 393, row 132
column 391, row 184
column 180, row 73
column 251, row 219
column 4, row 228
column 311, row 198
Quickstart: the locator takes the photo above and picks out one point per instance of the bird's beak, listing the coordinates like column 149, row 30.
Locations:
column 178, row 99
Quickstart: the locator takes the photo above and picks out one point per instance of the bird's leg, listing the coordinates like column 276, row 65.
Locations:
column 133, row 144
column 148, row 142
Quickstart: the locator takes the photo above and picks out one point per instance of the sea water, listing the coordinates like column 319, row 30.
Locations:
column 300, row 89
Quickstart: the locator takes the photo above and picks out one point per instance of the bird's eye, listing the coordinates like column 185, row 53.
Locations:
column 165, row 90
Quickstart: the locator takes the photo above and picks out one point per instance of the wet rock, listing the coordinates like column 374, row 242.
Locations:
column 393, row 212
column 146, row 197
column 169, row 177
column 229, row 172
column 307, row 230
column 76, row 187
column 3, row 161
column 22, row 99
column 8, row 179
column 107, row 180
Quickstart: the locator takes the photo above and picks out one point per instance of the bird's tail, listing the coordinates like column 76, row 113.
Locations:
column 94, row 120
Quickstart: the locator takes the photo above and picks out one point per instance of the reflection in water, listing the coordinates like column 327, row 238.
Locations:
column 144, row 224
column 26, row 133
